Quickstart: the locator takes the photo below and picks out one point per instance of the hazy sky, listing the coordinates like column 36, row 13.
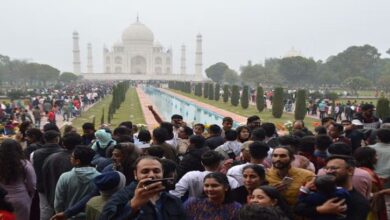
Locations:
column 234, row 31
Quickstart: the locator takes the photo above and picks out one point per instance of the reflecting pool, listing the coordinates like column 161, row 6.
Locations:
column 168, row 105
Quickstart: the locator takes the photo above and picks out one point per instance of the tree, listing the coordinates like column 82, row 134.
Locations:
column 356, row 83
column 297, row 70
column 245, row 97
column 235, row 98
column 384, row 83
column 231, row 77
column 277, row 103
column 226, row 93
column 252, row 74
column 205, row 90
column 216, row 71
column 102, row 118
column 217, row 92
column 198, row 89
column 211, row 91
column 300, row 105
column 68, row 77
column 260, row 102
column 382, row 108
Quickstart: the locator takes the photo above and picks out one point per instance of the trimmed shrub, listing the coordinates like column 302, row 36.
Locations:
column 235, row 98
column 277, row 103
column 102, row 118
column 205, row 90
column 260, row 102
column 245, row 97
column 216, row 93
column 300, row 105
column 226, row 93
column 211, row 91
column 382, row 108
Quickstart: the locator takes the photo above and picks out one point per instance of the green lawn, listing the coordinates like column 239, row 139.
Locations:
column 130, row 110
column 266, row 116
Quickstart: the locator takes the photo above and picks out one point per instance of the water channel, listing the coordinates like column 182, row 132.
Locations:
column 168, row 105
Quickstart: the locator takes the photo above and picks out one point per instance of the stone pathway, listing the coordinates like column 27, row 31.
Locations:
column 145, row 101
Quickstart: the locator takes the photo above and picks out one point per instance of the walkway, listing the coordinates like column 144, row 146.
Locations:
column 145, row 101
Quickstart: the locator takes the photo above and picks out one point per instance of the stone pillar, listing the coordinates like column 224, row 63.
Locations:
column 89, row 59
column 198, row 57
column 183, row 60
column 76, row 54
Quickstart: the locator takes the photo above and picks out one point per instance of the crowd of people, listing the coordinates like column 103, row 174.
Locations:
column 337, row 171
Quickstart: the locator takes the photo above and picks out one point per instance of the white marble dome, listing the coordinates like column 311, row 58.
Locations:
column 137, row 32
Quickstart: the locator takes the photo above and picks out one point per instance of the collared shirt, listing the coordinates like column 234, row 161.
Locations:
column 192, row 182
column 382, row 167
column 299, row 176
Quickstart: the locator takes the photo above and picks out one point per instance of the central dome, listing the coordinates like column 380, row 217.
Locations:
column 137, row 32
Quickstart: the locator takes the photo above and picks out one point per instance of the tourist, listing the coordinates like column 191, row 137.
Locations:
column 253, row 176
column 217, row 204
column 191, row 159
column 214, row 138
column 144, row 138
column 271, row 136
column 103, row 142
column 159, row 138
column 268, row 196
column 258, row 151
column 77, row 183
column 227, row 124
column 322, row 143
column 284, row 177
column 17, row 177
column 353, row 132
column 366, row 116
column 342, row 167
column 183, row 140
column 299, row 160
column 231, row 148
column 199, row 129
column 335, row 132
column 88, row 133
column 192, row 182
column 243, row 134
column 34, row 138
column 253, row 122
column 37, row 116
column 143, row 199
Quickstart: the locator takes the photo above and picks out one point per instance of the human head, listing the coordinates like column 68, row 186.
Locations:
column 258, row 134
column 197, row 141
column 127, row 124
column 11, row 156
column 176, row 120
column 253, row 122
column 199, row 129
column 88, row 129
column 253, row 176
column 298, row 125
column 211, row 160
column 148, row 167
column 216, row 187
column 121, row 131
column 367, row 110
column 185, row 132
column 326, row 121
column 319, row 130
column 269, row 128
column 110, row 182
column 325, row 184
column 69, row 129
column 160, row 135
column 215, row 130
column 51, row 127
column 289, row 140
column 227, row 123
column 34, row 135
column 51, row 136
column 71, row 140
column 243, row 133
column 258, row 150
column 282, row 157
column 144, row 136
column 340, row 148
column 103, row 136
column 342, row 167
column 254, row 211
column 82, row 156
column 335, row 130
column 323, row 142
column 383, row 135
column 169, row 128
column 231, row 135
column 365, row 157
column 307, row 144
column 123, row 157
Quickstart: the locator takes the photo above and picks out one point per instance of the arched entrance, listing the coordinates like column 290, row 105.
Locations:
column 138, row 65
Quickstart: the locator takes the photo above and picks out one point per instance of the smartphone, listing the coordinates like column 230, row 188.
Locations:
column 164, row 181
column 287, row 180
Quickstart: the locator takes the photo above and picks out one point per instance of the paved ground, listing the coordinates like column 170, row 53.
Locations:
column 145, row 101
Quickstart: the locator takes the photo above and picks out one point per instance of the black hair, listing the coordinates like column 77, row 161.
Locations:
column 338, row 127
column 231, row 135
column 326, row 184
column 144, row 136
column 197, row 141
column 366, row 107
column 169, row 166
column 269, row 129
column 383, row 135
column 88, row 126
column 222, row 179
column 324, row 120
column 84, row 154
column 127, row 124
column 258, row 134
column 289, row 150
column 169, row 128
column 200, row 125
column 176, row 116
column 215, row 129
column 340, row 148
column 124, row 139
column 307, row 144
column 51, row 127
column 289, row 140
column 71, row 140
column 252, row 119
column 259, row 170
column 130, row 154
column 239, row 129
column 155, row 151
column 258, row 150
column 211, row 158
column 350, row 161
column 188, row 130
column 51, row 135
column 323, row 142
column 35, row 133
column 273, row 193
column 160, row 135
column 227, row 119
column 320, row 130
column 122, row 130
column 365, row 157
column 255, row 211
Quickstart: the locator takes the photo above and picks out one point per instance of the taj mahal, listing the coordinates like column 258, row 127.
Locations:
column 138, row 56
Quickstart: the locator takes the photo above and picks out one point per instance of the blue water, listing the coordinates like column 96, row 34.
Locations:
column 168, row 105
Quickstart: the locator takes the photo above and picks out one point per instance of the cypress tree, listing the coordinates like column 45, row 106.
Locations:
column 234, row 100
column 226, row 93
column 300, row 105
column 382, row 108
column 260, row 102
column 102, row 118
column 245, row 97
column 216, row 93
column 205, row 90
column 277, row 103
column 211, row 91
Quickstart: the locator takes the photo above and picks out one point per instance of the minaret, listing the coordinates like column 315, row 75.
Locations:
column 76, row 54
column 198, row 57
column 105, row 64
column 183, row 60
column 89, row 59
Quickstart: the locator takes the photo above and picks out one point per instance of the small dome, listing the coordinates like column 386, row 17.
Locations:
column 293, row 53
column 137, row 32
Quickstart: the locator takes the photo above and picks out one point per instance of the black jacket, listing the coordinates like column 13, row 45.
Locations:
column 191, row 161
column 117, row 207
column 214, row 141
